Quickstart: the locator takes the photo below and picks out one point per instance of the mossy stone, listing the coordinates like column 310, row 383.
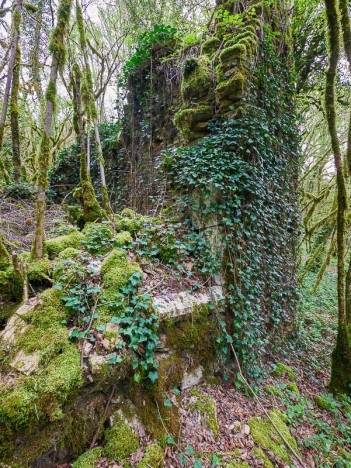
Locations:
column 206, row 405
column 123, row 239
column 231, row 53
column 120, row 441
column 196, row 78
column 185, row 120
column 70, row 254
column 154, row 457
column 232, row 88
column 262, row 430
column 58, row 244
column 88, row 459
column 210, row 46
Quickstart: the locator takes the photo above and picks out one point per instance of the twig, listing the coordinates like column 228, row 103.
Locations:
column 264, row 409
column 103, row 416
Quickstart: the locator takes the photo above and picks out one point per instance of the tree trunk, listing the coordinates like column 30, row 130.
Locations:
column 92, row 107
column 16, row 20
column 58, row 58
column 91, row 207
column 341, row 357
column 15, row 133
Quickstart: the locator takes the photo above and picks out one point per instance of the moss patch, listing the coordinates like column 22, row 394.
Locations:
column 232, row 88
column 262, row 430
column 58, row 244
column 187, row 120
column 272, row 390
column 322, row 403
column 88, row 459
column 123, row 239
column 210, row 46
column 260, row 455
column 292, row 387
column 70, row 254
column 207, row 407
column 282, row 370
column 153, row 457
column 120, row 442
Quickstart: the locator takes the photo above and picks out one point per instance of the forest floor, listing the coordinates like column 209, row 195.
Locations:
column 321, row 426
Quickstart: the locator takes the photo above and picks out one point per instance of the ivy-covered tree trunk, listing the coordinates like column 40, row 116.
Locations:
column 86, row 192
column 16, row 21
column 92, row 110
column 341, row 358
column 57, row 48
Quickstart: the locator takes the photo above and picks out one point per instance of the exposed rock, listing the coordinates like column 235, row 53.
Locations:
column 87, row 348
column 176, row 305
column 192, row 378
column 26, row 363
column 96, row 362
column 16, row 325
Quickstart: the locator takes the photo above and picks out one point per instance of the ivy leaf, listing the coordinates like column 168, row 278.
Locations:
column 197, row 464
column 58, row 286
column 182, row 460
column 215, row 461
column 153, row 376
column 170, row 440
column 168, row 403
column 190, row 450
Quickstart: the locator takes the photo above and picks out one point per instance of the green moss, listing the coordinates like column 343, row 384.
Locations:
column 237, row 51
column 272, row 390
column 262, row 429
column 58, row 244
column 237, row 464
column 232, row 88
column 196, row 78
column 88, row 459
column 210, row 46
column 187, row 120
column 58, row 375
column 75, row 215
column 292, row 387
column 120, row 441
column 123, row 239
column 153, row 457
column 70, row 254
column 129, row 213
column 259, row 454
column 4, row 255
column 61, row 380
column 207, row 407
column 30, row 7
column 282, row 369
column 321, row 402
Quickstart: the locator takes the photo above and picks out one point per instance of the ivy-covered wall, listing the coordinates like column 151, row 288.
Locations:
column 219, row 117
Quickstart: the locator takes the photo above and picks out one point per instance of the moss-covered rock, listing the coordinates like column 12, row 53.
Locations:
column 207, row 407
column 120, row 441
column 88, row 459
column 231, row 89
column 210, row 46
column 153, row 457
column 187, row 120
column 196, row 78
column 236, row 51
column 98, row 237
column 262, row 430
column 123, row 239
column 282, row 370
column 70, row 254
column 39, row 271
column 58, row 244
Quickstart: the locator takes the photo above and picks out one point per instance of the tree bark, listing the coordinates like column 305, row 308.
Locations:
column 341, row 357
column 58, row 58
